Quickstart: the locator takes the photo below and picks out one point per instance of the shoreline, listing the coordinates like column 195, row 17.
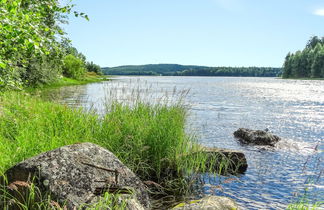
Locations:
column 65, row 81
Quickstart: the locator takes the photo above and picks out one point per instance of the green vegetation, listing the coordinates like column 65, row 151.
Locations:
column 304, row 205
column 91, row 67
column 149, row 139
column 33, row 45
column 28, row 196
column 89, row 77
column 180, row 70
column 148, row 133
column 308, row 63
column 73, row 67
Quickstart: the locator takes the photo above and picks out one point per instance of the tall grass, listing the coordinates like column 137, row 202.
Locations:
column 149, row 138
column 146, row 132
column 142, row 136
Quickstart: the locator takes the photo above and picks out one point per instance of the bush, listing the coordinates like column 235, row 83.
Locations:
column 73, row 67
column 91, row 67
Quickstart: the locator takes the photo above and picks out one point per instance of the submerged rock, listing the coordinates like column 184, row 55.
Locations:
column 224, row 161
column 208, row 203
column 80, row 174
column 256, row 137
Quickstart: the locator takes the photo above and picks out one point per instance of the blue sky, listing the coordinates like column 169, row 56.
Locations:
column 197, row 32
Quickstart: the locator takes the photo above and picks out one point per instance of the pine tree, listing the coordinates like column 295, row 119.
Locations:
column 287, row 66
column 318, row 64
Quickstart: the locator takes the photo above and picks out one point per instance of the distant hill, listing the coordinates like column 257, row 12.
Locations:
column 190, row 70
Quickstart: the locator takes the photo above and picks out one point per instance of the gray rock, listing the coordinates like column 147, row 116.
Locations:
column 222, row 161
column 208, row 203
column 133, row 204
column 256, row 137
column 225, row 161
column 79, row 174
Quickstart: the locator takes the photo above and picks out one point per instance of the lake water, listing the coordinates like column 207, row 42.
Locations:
column 291, row 109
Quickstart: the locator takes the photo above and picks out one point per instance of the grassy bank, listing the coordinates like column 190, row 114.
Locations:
column 149, row 139
column 89, row 77
column 29, row 126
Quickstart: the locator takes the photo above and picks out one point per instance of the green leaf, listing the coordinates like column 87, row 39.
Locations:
column 2, row 65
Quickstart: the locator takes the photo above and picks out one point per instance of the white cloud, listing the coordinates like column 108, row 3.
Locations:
column 319, row 12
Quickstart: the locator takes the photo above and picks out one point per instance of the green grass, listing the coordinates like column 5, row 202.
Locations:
column 149, row 139
column 29, row 126
column 89, row 77
column 302, row 205
column 26, row 195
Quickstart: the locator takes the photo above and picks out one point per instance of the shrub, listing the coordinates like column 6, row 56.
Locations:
column 73, row 67
column 91, row 67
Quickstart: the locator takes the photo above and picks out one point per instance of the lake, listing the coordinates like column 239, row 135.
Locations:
column 291, row 109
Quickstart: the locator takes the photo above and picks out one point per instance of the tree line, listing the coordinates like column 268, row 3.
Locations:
column 232, row 71
column 190, row 70
column 308, row 63
column 34, row 49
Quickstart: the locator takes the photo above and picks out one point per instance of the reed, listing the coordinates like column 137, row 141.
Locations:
column 149, row 138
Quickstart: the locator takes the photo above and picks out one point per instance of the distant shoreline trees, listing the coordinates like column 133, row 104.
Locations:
column 308, row 63
column 189, row 70
column 232, row 71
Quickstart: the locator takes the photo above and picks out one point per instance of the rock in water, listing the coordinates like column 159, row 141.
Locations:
column 256, row 137
column 211, row 202
column 224, row 161
column 79, row 174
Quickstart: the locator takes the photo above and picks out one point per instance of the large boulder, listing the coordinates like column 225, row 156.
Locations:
column 256, row 137
column 223, row 161
column 208, row 203
column 79, row 174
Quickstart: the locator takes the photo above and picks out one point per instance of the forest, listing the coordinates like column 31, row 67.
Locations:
column 191, row 70
column 34, row 49
column 308, row 63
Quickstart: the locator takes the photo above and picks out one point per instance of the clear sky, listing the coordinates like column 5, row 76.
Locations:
column 197, row 32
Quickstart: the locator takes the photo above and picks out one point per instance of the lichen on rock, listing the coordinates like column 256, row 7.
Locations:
column 78, row 174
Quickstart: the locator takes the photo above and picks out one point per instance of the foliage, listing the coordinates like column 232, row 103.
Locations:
column 306, row 63
column 69, row 49
column 32, row 42
column 89, row 77
column 91, row 67
column 28, row 39
column 73, row 67
column 180, row 70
